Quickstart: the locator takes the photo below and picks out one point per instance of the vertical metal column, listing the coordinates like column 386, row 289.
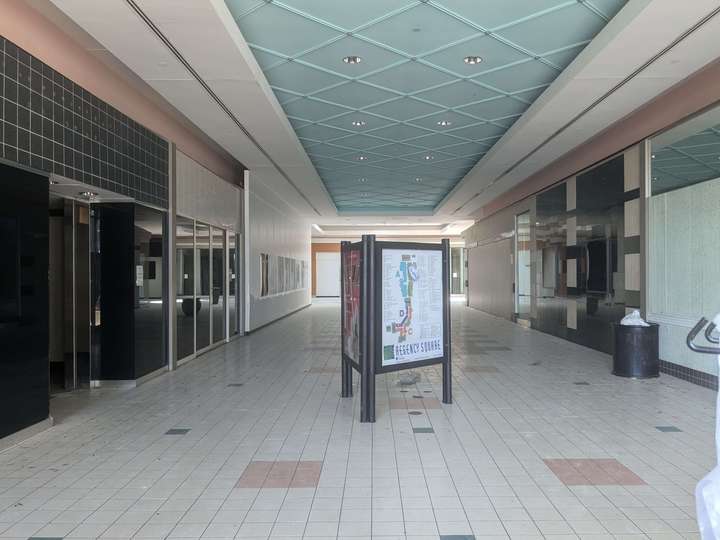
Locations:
column 447, row 364
column 367, row 330
column 345, row 367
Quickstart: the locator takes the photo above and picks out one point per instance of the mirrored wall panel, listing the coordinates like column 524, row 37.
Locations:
column 202, row 286
column 218, row 285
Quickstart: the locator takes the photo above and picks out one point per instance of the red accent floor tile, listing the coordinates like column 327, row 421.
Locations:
column 593, row 472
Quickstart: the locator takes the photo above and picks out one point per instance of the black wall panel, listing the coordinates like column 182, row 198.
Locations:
column 24, row 397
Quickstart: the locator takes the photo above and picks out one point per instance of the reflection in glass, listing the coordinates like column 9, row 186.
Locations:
column 684, row 233
column 185, row 283
column 149, row 301
column 522, row 265
column 218, row 285
column 202, row 285
column 232, row 283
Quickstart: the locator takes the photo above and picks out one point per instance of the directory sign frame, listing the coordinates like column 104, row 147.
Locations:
column 385, row 256
column 351, row 305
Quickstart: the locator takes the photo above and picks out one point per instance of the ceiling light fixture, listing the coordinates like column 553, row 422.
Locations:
column 472, row 60
column 362, row 180
column 428, row 157
column 54, row 182
column 88, row 194
column 358, row 123
column 444, row 123
column 352, row 59
column 418, row 180
column 362, row 158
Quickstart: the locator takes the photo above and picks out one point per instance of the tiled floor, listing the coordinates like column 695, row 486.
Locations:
column 524, row 452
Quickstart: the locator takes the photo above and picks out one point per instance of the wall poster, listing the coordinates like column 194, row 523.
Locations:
column 412, row 305
column 351, row 297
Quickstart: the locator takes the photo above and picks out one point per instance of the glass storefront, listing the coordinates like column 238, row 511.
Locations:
column 206, row 286
column 457, row 270
column 149, row 290
column 683, row 223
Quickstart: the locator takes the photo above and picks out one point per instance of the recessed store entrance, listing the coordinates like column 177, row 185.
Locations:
column 69, row 294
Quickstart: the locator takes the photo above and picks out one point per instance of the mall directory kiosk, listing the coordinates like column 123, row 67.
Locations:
column 395, row 313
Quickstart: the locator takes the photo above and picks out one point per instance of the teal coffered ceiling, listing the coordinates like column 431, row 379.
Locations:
column 398, row 130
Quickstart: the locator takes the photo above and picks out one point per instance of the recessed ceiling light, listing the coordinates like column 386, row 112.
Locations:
column 428, row 157
column 362, row 158
column 444, row 123
column 418, row 180
column 653, row 156
column 352, row 59
column 88, row 194
column 358, row 123
column 54, row 182
column 472, row 60
column 363, row 194
column 362, row 180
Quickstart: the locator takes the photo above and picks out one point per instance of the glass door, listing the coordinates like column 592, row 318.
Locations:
column 186, row 304
column 232, row 297
column 218, row 285
column 522, row 266
column 202, row 286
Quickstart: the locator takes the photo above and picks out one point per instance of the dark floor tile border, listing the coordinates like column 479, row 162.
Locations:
column 177, row 431
column 688, row 374
column 668, row 429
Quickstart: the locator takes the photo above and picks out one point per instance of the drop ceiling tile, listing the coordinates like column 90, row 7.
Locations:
column 456, row 120
column 520, row 76
column 418, row 30
column 456, row 94
column 240, row 7
column 345, row 16
column 399, row 132
column 479, row 132
column 345, row 121
column 326, row 150
column 311, row 109
column 563, row 58
column 267, row 60
column 319, row 133
column 283, row 32
column 466, row 149
column 396, row 150
column 496, row 108
column 403, row 109
column 409, row 77
column 556, row 29
column 359, row 142
column 494, row 54
column 355, row 95
column 435, row 140
column 609, row 8
column 300, row 78
column 490, row 14
column 331, row 57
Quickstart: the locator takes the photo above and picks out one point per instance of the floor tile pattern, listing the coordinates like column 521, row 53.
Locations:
column 593, row 472
column 107, row 470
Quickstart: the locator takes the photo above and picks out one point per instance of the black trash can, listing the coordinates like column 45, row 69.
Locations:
column 637, row 351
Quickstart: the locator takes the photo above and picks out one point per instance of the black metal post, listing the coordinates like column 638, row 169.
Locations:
column 447, row 364
column 345, row 367
column 367, row 332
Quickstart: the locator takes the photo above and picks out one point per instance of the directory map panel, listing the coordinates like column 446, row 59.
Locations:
column 412, row 305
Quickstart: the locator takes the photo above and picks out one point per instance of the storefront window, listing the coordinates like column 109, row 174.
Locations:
column 683, row 218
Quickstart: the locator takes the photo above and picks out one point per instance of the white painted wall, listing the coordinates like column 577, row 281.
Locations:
column 204, row 196
column 684, row 268
column 275, row 228
column 327, row 273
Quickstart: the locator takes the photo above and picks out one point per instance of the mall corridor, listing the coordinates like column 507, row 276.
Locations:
column 254, row 441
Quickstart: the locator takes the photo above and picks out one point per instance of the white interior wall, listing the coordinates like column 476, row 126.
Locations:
column 204, row 196
column 684, row 268
column 276, row 229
